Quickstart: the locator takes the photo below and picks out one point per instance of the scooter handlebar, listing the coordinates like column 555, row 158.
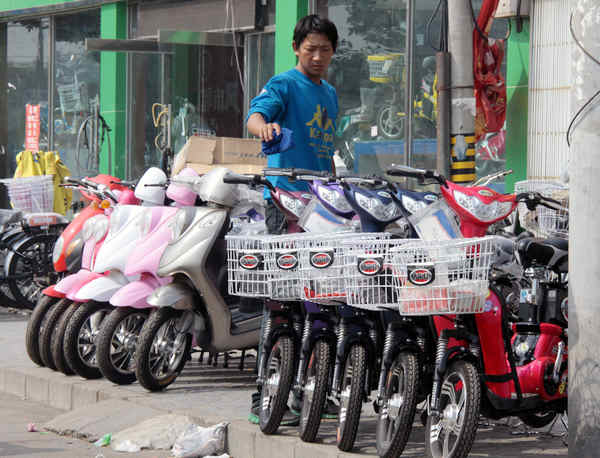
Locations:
column 234, row 178
column 293, row 172
column 396, row 170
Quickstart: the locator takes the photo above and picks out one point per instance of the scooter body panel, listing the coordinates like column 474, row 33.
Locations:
column 176, row 295
column 134, row 294
column 103, row 287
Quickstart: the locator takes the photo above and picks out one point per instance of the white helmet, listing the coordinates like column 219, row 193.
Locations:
column 153, row 195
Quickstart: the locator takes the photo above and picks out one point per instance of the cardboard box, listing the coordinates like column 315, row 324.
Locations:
column 240, row 155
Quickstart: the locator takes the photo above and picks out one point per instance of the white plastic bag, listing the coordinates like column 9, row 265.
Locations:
column 197, row 441
column 155, row 433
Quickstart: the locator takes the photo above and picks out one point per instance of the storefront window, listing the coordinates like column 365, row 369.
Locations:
column 77, row 76
column 260, row 63
column 27, row 78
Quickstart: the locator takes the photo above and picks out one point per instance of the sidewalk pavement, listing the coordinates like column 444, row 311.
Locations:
column 210, row 395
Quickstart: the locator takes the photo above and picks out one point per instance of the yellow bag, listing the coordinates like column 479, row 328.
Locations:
column 55, row 166
column 29, row 165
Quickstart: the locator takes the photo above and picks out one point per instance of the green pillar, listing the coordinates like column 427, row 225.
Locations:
column 287, row 13
column 113, row 89
column 517, row 79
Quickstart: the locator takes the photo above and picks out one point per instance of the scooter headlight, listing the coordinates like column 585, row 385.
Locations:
column 411, row 205
column 95, row 228
column 58, row 247
column 294, row 206
column 481, row 211
column 377, row 209
column 334, row 198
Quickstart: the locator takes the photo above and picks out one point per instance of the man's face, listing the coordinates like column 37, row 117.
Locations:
column 314, row 55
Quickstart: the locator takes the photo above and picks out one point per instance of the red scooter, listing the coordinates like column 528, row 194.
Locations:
column 477, row 368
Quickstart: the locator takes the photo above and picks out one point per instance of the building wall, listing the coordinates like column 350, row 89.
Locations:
column 549, row 85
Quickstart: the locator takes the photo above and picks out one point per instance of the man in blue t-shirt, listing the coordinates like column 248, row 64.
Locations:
column 299, row 100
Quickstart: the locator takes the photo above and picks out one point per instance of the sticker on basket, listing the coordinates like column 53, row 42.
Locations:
column 286, row 261
column 321, row 259
column 421, row 275
column 370, row 266
column 250, row 261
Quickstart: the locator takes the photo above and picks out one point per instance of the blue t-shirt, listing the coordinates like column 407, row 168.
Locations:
column 292, row 100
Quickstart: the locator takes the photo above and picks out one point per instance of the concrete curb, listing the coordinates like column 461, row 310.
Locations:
column 76, row 395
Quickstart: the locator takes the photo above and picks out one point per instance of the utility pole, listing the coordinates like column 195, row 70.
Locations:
column 584, row 236
column 462, row 110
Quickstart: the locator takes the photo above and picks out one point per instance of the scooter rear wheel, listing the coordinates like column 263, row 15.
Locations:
column 34, row 326
column 315, row 387
column 117, row 342
column 538, row 420
column 161, row 351
column 460, row 400
column 352, row 394
column 397, row 414
column 276, row 388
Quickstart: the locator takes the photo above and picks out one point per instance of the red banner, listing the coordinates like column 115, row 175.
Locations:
column 32, row 127
column 490, row 87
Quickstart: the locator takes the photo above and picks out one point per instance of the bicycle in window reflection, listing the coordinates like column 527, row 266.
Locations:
column 391, row 118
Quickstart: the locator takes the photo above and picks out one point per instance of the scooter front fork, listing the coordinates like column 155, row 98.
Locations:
column 388, row 344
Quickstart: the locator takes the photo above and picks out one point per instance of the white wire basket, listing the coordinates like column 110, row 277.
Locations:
column 368, row 273
column 31, row 194
column 442, row 277
column 246, row 272
column 321, row 267
column 543, row 221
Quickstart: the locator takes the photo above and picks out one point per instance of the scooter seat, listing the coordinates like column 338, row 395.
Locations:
column 550, row 252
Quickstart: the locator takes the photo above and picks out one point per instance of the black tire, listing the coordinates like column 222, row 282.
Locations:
column 57, row 340
column 273, row 398
column 81, row 335
column 461, row 375
column 315, row 387
column 538, row 420
column 117, row 341
column 394, row 423
column 6, row 297
column 389, row 123
column 29, row 268
column 32, row 334
column 354, row 378
column 52, row 318
column 161, row 323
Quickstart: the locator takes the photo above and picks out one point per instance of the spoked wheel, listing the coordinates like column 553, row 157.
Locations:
column 315, row 388
column 35, row 325
column 58, row 337
column 81, row 337
column 6, row 296
column 29, row 268
column 397, row 414
column 390, row 123
column 452, row 433
column 117, row 342
column 276, row 388
column 52, row 318
column 351, row 399
column 162, row 350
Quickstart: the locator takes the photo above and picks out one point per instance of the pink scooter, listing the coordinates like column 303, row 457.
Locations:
column 119, row 331
column 93, row 234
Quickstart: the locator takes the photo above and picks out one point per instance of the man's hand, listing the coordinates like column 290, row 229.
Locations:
column 264, row 130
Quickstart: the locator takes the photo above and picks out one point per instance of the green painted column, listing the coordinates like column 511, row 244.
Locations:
column 287, row 13
column 517, row 81
column 113, row 89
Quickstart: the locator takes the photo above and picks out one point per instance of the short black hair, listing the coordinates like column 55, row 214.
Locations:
column 315, row 24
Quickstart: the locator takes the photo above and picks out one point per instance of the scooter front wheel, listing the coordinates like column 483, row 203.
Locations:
column 117, row 342
column 45, row 343
column 397, row 413
column 58, row 337
column 81, row 338
column 162, row 350
column 352, row 395
column 35, row 325
column 276, row 387
column 315, row 388
column 451, row 433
